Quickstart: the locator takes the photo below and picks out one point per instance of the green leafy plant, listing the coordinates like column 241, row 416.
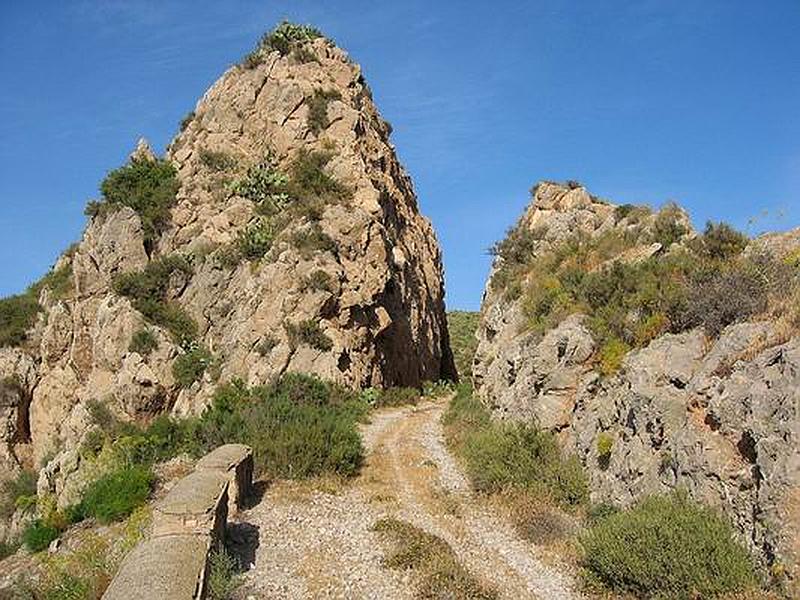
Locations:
column 309, row 180
column 148, row 290
column 311, row 241
column 266, row 345
column 265, row 186
column 144, row 341
column 666, row 547
column 15, row 490
column 59, row 281
column 147, row 186
column 611, row 355
column 38, row 535
column 397, row 396
column 320, row 280
column 283, row 39
column 17, row 315
column 115, row 495
column 308, row 332
column 318, row 109
column 186, row 120
column 298, row 426
column 222, row 576
column 503, row 456
column 720, row 241
column 190, row 366
column 462, row 326
column 255, row 240
column 605, row 444
column 668, row 226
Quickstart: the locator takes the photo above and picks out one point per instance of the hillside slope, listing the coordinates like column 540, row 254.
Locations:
column 662, row 357
column 279, row 233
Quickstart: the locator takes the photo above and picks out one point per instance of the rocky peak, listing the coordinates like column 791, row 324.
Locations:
column 280, row 233
column 142, row 152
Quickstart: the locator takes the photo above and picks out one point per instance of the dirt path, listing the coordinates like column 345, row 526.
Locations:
column 319, row 544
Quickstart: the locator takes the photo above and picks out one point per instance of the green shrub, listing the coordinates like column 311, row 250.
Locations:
column 38, row 535
column 310, row 241
column 521, row 456
column 15, row 490
column 148, row 290
column 667, row 547
column 605, row 445
column 612, row 354
column 189, row 367
column 144, row 341
column 308, row 179
column 255, row 240
column 668, row 226
column 298, row 427
column 265, row 186
column 634, row 213
column 222, row 576
column 502, row 456
column 283, row 39
column 17, row 315
column 720, row 241
column 216, row 160
column 318, row 109
column 304, row 54
column 733, row 292
column 309, row 333
column 462, row 326
column 320, row 281
column 147, row 186
column 115, row 495
column 7, row 548
column 518, row 246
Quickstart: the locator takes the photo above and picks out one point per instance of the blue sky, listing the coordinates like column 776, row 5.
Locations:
column 647, row 101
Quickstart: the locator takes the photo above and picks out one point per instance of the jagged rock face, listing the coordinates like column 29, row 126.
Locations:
column 719, row 418
column 384, row 311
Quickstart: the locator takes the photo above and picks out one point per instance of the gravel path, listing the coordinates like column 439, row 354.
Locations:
column 317, row 543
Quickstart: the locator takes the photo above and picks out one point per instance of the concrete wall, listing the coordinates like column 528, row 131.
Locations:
column 188, row 524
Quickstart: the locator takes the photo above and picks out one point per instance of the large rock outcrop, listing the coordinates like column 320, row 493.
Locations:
column 374, row 290
column 717, row 416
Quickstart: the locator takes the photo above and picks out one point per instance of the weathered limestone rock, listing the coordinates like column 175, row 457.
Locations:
column 718, row 418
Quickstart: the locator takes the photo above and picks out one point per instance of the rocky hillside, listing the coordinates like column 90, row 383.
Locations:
column 664, row 358
column 279, row 233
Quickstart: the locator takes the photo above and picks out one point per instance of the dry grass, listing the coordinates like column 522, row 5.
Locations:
column 438, row 572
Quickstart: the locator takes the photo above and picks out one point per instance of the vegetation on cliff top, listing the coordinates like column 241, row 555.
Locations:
column 18, row 313
column 148, row 186
column 705, row 282
column 285, row 38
